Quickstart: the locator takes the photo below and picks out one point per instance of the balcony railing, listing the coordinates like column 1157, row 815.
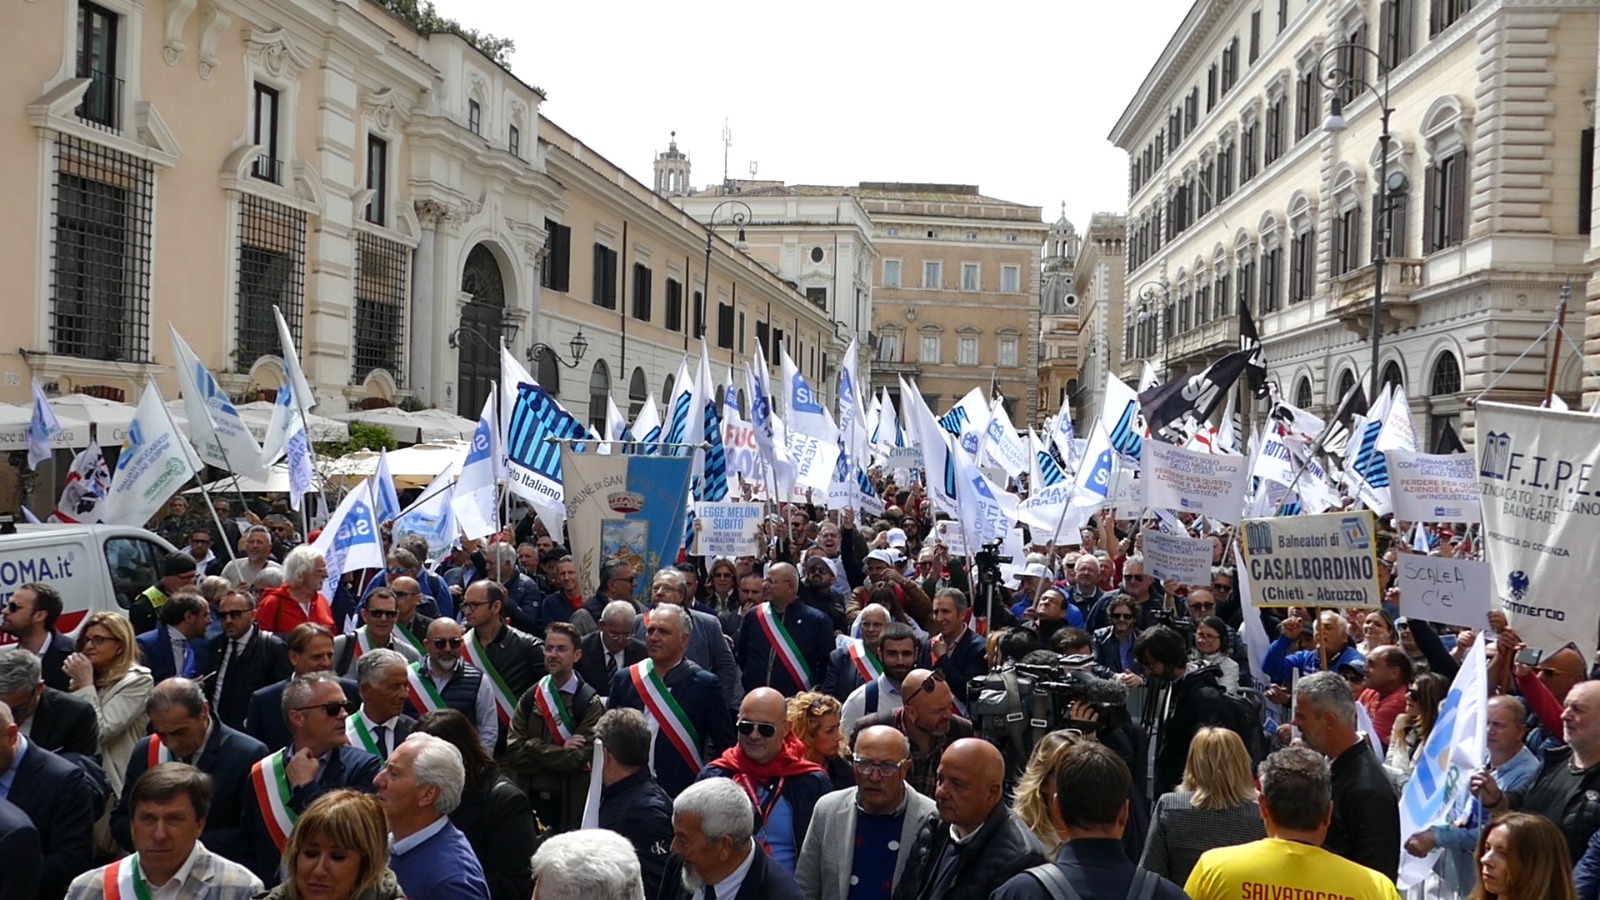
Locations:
column 1351, row 299
column 1209, row 341
column 267, row 168
column 102, row 102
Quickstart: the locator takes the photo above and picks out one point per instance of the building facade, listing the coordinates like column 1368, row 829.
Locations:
column 1238, row 195
column 1098, row 277
column 397, row 194
column 1059, row 307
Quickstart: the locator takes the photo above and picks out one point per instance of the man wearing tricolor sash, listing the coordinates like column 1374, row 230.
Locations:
column 170, row 805
column 377, row 631
column 855, row 661
column 381, row 723
column 784, row 644
column 412, row 626
column 511, row 660
column 446, row 680
column 182, row 729
column 548, row 750
column 319, row 759
column 689, row 722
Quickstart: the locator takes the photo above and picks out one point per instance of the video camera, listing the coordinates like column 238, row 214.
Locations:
column 1074, row 679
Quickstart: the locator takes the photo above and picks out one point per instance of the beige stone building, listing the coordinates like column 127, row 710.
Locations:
column 1098, row 277
column 398, row 194
column 1059, row 321
column 1238, row 194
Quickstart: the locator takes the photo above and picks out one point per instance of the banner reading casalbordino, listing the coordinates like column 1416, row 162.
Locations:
column 1326, row 560
column 1433, row 487
column 1539, row 473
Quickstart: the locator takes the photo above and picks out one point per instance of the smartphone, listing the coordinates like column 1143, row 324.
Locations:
column 1530, row 656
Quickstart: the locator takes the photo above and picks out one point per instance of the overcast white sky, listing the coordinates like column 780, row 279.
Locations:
column 1014, row 96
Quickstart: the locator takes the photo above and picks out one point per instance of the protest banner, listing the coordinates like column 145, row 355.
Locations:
column 903, row 459
column 626, row 507
column 948, row 533
column 1433, row 487
column 1326, row 560
column 727, row 529
column 1445, row 589
column 814, row 460
column 1185, row 559
column 1541, row 518
column 1191, row 481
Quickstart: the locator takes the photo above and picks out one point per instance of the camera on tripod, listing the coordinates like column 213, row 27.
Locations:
column 988, row 560
column 1068, row 681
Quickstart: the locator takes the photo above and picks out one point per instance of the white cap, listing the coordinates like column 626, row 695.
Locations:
column 887, row 557
column 897, row 537
column 1035, row 570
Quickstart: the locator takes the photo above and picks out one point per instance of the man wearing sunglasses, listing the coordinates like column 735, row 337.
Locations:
column 30, row 617
column 783, row 785
column 310, row 650
column 378, row 618
column 446, row 681
column 927, row 721
column 319, row 759
column 242, row 659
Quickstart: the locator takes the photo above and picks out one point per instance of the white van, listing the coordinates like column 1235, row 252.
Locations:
column 95, row 567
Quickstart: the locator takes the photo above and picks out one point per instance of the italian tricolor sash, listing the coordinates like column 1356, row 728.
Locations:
column 359, row 731
column 272, row 795
column 557, row 720
column 124, row 882
column 783, row 644
column 410, row 638
column 159, row 752
column 505, row 702
column 363, row 641
column 664, row 708
column 866, row 663
column 424, row 696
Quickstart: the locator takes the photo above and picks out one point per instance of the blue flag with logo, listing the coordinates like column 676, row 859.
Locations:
column 533, row 459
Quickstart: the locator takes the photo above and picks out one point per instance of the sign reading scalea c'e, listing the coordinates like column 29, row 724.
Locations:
column 1434, row 487
column 1539, row 478
column 1190, row 481
column 1326, row 560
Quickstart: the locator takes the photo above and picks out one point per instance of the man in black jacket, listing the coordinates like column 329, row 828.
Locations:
column 1366, row 811
column 56, row 795
column 241, row 660
column 30, row 616
column 977, row 843
column 52, row 719
column 631, row 803
column 1195, row 700
column 611, row 649
column 957, row 650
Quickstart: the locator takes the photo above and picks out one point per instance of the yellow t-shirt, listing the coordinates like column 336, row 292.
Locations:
column 1275, row 869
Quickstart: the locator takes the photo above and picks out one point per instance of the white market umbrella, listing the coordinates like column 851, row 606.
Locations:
column 257, row 415
column 110, row 418
column 414, row 427
column 14, row 422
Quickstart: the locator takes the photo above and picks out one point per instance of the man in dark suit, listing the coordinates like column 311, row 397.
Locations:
column 170, row 650
column 241, row 660
column 30, row 616
column 704, row 729
column 957, row 649
column 19, row 840
column 380, row 725
column 710, row 860
column 52, row 719
column 55, row 795
column 183, row 730
column 611, row 649
column 318, row 759
column 769, row 629
column 310, row 650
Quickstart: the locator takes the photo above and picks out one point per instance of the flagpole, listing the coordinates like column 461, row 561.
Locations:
column 200, row 481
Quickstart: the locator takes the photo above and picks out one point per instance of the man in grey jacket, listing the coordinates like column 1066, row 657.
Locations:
column 862, row 836
column 708, row 649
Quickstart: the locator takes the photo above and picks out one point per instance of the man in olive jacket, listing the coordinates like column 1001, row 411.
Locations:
column 549, row 746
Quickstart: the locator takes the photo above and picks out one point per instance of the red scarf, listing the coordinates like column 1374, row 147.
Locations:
column 576, row 600
column 790, row 761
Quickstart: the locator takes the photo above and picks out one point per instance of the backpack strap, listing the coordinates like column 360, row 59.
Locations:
column 1015, row 720
column 1055, row 881
column 872, row 697
column 1144, row 885
column 342, row 665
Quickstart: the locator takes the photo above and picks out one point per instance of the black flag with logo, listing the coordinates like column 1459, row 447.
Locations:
column 1199, row 394
column 1342, row 425
column 1250, row 342
column 1448, row 441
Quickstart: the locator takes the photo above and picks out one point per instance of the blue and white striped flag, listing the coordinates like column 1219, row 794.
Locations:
column 714, row 470
column 533, row 460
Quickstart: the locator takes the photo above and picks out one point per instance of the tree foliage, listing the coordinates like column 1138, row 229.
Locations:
column 363, row 436
column 426, row 19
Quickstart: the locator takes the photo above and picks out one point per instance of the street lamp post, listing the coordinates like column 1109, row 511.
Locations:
column 1152, row 299
column 1336, row 78
column 738, row 216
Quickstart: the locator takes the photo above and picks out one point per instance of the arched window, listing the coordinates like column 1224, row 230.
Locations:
column 1302, row 393
column 1347, row 383
column 1446, row 378
column 1391, row 374
column 666, row 392
column 599, row 390
column 638, row 391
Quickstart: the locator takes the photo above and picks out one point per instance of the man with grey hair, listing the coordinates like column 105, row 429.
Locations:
column 617, row 582
column 611, row 649
column 712, row 825
column 243, row 571
column 856, row 662
column 1365, row 827
column 524, row 603
column 587, row 865
column 631, row 803
column 419, row 787
column 381, row 723
column 55, row 720
column 783, row 643
column 708, row 648
column 317, row 760
column 1297, row 801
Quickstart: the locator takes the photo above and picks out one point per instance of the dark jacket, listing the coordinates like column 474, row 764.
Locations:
column 518, row 657
column 1577, row 813
column 1097, row 868
column 56, row 795
column 525, row 604
column 1197, row 700
column 347, row 767
column 639, row 810
column 227, row 757
column 699, row 694
column 592, row 667
column 812, row 632
column 802, row 792
column 265, row 721
column 498, row 823
column 1366, row 812
column 843, row 676
column 63, row 723
column 57, row 647
column 962, row 663
column 19, row 840
column 766, row 880
column 1108, row 653
column 156, row 651
column 1001, row 848
column 263, row 659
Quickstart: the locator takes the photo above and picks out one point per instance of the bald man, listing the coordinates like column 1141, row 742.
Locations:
column 783, row 643
column 977, row 843
column 787, row 785
column 926, row 720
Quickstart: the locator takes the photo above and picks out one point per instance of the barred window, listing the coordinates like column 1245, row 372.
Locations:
column 381, row 280
column 272, row 264
column 100, row 290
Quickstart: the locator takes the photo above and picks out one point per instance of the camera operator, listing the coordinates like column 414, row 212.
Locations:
column 1195, row 698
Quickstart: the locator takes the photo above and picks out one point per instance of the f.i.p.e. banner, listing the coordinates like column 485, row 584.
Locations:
column 1539, row 471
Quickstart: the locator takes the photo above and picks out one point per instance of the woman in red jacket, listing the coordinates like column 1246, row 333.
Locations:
column 299, row 599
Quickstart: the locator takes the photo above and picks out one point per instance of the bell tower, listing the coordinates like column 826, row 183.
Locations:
column 672, row 170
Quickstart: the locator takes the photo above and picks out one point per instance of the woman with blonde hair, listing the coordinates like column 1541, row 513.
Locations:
column 1522, row 856
column 1215, row 806
column 105, row 672
column 814, row 718
column 1035, row 802
column 339, row 850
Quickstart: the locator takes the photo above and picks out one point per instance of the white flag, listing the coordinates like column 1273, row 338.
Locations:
column 84, row 495
column 154, row 464
column 938, row 466
column 1398, row 432
column 1002, row 446
column 306, row 397
column 42, row 428
column 473, row 503
column 286, row 435
column 1436, row 793
column 802, row 408
column 217, row 432
column 350, row 541
column 430, row 517
column 386, row 501
column 852, row 413
column 1093, row 485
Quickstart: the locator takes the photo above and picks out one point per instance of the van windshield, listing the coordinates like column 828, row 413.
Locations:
column 133, row 563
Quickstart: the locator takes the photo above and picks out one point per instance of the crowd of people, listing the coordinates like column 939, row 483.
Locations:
column 857, row 713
